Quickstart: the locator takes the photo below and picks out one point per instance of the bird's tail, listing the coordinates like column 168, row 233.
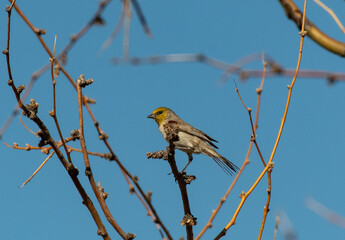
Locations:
column 222, row 162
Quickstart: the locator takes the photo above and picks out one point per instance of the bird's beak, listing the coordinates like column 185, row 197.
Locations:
column 151, row 116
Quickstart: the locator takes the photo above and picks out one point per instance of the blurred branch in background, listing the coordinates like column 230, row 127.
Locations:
column 325, row 41
column 333, row 15
column 325, row 212
column 286, row 227
column 96, row 19
column 124, row 21
column 276, row 227
column 274, row 69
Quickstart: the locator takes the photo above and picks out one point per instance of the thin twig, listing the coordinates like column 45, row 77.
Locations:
column 39, row 168
column 89, row 174
column 333, row 15
column 28, row 147
column 244, row 196
column 53, row 113
column 253, row 138
column 269, row 178
column 26, row 127
column 89, row 153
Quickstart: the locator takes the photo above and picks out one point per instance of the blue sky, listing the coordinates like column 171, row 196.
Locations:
column 309, row 161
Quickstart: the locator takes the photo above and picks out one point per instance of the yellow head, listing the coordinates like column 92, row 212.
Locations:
column 159, row 114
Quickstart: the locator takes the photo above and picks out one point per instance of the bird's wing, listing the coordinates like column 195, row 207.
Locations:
column 187, row 128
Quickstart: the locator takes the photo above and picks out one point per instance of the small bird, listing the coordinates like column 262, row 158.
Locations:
column 190, row 140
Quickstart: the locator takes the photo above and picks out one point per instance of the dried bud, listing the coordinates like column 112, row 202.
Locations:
column 98, row 21
column 32, row 109
column 20, row 89
column 82, row 82
column 188, row 220
column 75, row 134
column 56, row 70
column 103, row 135
column 40, row 31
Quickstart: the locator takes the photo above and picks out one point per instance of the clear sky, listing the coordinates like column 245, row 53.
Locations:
column 309, row 162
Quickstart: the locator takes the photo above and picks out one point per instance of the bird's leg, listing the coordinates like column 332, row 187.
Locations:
column 190, row 159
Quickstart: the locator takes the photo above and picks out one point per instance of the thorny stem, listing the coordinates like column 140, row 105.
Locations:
column 269, row 164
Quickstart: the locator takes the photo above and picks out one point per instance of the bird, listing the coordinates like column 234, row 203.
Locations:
column 189, row 139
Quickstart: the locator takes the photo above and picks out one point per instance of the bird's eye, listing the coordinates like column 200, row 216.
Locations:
column 160, row 112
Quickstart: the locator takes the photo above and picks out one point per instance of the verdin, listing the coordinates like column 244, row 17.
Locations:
column 190, row 140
